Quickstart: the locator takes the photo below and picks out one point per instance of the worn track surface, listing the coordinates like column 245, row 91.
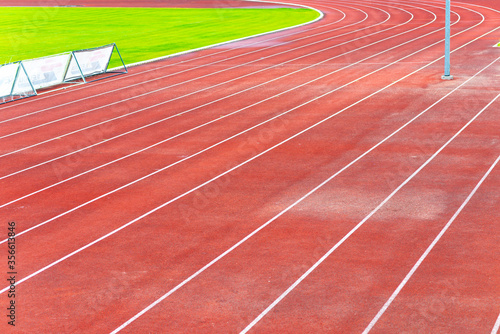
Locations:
column 322, row 179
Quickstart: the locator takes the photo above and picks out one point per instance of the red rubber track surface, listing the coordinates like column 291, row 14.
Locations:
column 322, row 179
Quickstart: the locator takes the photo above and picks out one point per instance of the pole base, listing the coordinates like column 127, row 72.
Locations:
column 447, row 77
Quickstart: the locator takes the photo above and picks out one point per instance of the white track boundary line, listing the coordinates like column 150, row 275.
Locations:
column 179, row 97
column 429, row 249
column 361, row 223
column 160, row 170
column 251, row 159
column 496, row 326
column 192, row 51
column 281, row 213
column 195, row 79
column 218, row 119
column 189, row 70
column 321, row 16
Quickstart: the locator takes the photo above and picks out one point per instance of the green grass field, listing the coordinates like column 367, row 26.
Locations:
column 140, row 33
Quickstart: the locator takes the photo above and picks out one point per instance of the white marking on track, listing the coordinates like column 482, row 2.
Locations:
column 431, row 246
column 142, row 82
column 190, row 60
column 174, row 85
column 361, row 223
column 253, row 158
column 149, row 307
column 496, row 326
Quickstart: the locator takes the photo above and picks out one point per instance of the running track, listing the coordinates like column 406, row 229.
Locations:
column 317, row 180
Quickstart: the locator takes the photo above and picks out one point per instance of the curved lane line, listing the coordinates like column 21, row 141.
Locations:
column 431, row 246
column 218, row 119
column 193, row 50
column 255, row 157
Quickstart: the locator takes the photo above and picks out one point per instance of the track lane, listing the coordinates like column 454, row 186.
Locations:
column 184, row 81
column 148, row 67
column 42, row 199
column 263, row 264
column 230, row 106
column 388, row 243
column 461, row 295
column 110, row 310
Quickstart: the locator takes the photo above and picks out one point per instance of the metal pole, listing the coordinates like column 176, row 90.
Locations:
column 447, row 75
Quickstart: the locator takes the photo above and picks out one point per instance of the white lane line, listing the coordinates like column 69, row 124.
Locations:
column 161, row 120
column 251, row 159
column 205, row 124
column 92, row 85
column 429, row 249
column 496, row 326
column 156, row 122
column 361, row 223
column 297, row 133
column 321, row 15
column 140, row 84
column 280, row 214
column 178, row 97
column 162, row 169
column 43, row 223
